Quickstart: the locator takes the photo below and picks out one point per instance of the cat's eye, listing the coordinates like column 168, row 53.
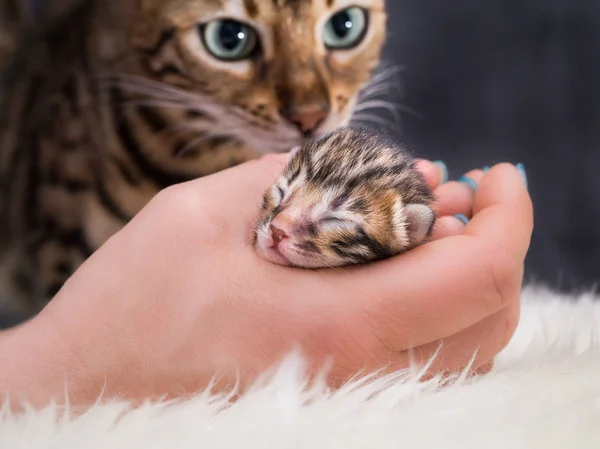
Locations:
column 345, row 29
column 229, row 40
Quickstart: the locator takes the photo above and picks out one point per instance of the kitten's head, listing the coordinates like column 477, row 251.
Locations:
column 347, row 198
column 270, row 72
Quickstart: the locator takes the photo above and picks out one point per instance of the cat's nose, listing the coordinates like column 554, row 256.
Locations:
column 307, row 118
column 277, row 234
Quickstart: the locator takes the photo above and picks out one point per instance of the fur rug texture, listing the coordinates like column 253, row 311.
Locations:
column 544, row 392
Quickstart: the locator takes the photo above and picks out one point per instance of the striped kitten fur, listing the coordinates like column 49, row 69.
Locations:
column 120, row 99
column 346, row 198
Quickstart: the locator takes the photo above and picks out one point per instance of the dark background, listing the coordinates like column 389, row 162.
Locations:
column 516, row 81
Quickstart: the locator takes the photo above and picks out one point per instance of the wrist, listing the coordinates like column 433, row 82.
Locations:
column 38, row 368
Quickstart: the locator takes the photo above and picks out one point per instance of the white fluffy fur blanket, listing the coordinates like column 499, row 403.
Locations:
column 544, row 392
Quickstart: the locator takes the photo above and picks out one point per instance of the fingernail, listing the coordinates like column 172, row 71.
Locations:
column 486, row 169
column 443, row 169
column 468, row 181
column 462, row 218
column 523, row 173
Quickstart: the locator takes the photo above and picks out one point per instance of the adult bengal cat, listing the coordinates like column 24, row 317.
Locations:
column 120, row 99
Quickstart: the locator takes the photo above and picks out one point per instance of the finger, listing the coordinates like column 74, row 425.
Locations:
column 475, row 347
column 243, row 186
column 435, row 173
column 446, row 286
column 457, row 197
column 503, row 213
column 273, row 164
column 446, row 227
column 486, row 368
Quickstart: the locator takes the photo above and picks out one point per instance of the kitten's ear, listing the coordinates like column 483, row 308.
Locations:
column 419, row 219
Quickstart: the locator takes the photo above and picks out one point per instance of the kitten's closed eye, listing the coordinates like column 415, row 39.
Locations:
column 337, row 223
column 277, row 195
column 332, row 220
column 281, row 193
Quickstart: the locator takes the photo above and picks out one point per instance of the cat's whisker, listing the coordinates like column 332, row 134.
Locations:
column 234, row 127
column 408, row 110
column 380, row 82
column 233, row 122
column 174, row 104
column 138, row 80
column 192, row 143
column 166, row 104
column 383, row 82
column 384, row 76
column 374, row 119
column 386, row 71
column 137, row 84
column 380, row 104
column 376, row 104
column 380, row 88
column 168, row 97
column 215, row 112
column 158, row 93
column 179, row 127
column 393, row 108
column 206, row 135
column 130, row 80
column 158, row 96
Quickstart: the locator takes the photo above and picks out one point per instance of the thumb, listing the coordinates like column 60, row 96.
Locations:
column 259, row 174
column 244, row 185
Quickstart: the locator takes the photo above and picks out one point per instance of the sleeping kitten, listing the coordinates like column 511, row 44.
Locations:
column 120, row 99
column 349, row 197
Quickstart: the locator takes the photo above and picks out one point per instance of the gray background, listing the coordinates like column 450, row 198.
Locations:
column 517, row 81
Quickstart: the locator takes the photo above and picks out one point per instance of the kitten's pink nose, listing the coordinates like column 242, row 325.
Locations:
column 278, row 235
column 308, row 118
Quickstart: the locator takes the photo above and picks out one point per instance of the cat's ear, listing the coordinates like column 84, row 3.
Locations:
column 419, row 222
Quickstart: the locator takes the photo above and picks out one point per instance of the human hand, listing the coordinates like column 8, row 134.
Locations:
column 180, row 296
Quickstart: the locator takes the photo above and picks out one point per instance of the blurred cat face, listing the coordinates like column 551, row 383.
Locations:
column 270, row 72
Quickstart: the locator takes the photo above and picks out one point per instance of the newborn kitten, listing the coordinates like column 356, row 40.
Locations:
column 347, row 198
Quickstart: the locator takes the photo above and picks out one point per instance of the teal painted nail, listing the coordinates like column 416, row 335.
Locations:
column 443, row 169
column 468, row 181
column 486, row 169
column 523, row 173
column 462, row 218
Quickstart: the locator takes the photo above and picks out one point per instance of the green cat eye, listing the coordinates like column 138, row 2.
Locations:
column 229, row 40
column 345, row 29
